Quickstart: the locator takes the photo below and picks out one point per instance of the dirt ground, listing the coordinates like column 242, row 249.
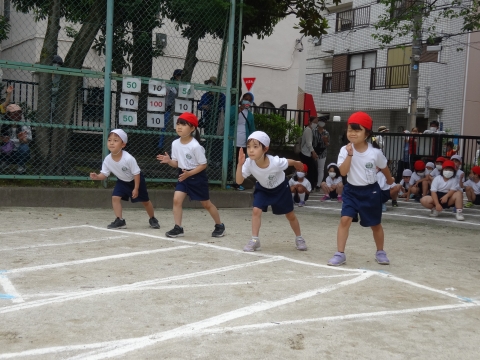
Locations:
column 71, row 289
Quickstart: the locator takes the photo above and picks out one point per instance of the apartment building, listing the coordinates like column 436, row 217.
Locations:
column 348, row 70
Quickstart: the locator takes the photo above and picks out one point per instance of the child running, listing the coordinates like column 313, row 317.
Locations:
column 300, row 187
column 332, row 186
column 361, row 195
column 189, row 157
column 271, row 187
column 130, row 181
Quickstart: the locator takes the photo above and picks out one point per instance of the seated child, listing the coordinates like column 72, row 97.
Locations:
column 404, row 183
column 300, row 187
column 438, row 168
column 418, row 181
column 388, row 191
column 472, row 187
column 332, row 186
column 444, row 192
column 460, row 176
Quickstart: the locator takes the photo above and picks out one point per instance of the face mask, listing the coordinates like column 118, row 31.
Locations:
column 321, row 124
column 300, row 174
column 439, row 167
column 332, row 174
column 433, row 129
column 420, row 174
column 314, row 126
column 246, row 102
column 448, row 174
column 427, row 172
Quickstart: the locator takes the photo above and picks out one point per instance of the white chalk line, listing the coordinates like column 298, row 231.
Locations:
column 128, row 287
column 65, row 243
column 40, row 230
column 190, row 286
column 10, row 289
column 91, row 260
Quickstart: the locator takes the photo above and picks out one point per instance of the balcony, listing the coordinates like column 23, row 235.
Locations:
column 353, row 18
column 342, row 81
column 389, row 77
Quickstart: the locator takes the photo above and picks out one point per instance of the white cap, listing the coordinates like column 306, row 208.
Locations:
column 430, row 164
column 261, row 137
column 407, row 172
column 458, row 157
column 331, row 164
column 123, row 135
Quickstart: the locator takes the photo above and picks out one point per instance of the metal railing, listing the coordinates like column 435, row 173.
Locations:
column 390, row 77
column 353, row 18
column 342, row 81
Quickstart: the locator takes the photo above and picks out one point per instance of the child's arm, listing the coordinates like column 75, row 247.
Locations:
column 460, row 181
column 165, row 159
column 297, row 164
column 345, row 166
column 7, row 98
column 187, row 173
column 241, row 160
column 136, row 179
column 95, row 176
column 388, row 175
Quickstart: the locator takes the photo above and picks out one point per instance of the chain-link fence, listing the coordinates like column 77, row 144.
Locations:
column 74, row 70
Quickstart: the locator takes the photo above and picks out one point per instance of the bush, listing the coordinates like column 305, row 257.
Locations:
column 280, row 130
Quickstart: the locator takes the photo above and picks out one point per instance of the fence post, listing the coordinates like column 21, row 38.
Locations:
column 228, row 100
column 107, row 104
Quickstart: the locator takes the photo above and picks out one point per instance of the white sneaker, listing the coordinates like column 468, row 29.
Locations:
column 459, row 216
column 433, row 213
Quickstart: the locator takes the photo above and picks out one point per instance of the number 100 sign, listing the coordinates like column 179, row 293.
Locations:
column 128, row 118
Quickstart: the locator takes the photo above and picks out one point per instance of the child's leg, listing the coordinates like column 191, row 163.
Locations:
column 424, row 188
column 378, row 236
column 294, row 224
column 414, row 190
column 212, row 209
column 470, row 193
column 178, row 198
column 456, row 199
column 325, row 188
column 427, row 201
column 339, row 189
column 342, row 232
column 256, row 221
column 394, row 192
column 117, row 206
column 149, row 207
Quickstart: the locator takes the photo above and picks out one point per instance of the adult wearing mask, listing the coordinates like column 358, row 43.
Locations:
column 322, row 141
column 435, row 130
column 308, row 155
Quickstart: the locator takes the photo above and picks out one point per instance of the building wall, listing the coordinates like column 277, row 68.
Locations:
column 471, row 118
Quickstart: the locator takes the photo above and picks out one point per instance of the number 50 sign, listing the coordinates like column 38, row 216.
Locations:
column 132, row 85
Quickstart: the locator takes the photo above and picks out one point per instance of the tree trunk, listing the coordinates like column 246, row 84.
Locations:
column 191, row 57
column 68, row 86
column 49, row 48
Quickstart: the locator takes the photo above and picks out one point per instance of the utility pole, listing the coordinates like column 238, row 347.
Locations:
column 414, row 66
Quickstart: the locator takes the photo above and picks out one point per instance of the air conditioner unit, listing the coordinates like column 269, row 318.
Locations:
column 161, row 40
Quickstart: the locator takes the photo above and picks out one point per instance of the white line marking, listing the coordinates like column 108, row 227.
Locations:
column 128, row 287
column 10, row 289
column 91, row 260
column 66, row 243
column 39, row 230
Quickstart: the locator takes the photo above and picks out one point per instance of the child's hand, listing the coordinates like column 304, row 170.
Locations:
column 164, row 159
column 444, row 199
column 185, row 174
column 241, row 157
column 9, row 89
column 134, row 193
column 93, row 176
column 439, row 207
column 349, row 149
column 298, row 166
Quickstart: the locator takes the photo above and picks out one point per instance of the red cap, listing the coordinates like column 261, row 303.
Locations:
column 305, row 168
column 361, row 118
column 440, row 159
column 190, row 118
column 448, row 163
column 419, row 165
column 476, row 170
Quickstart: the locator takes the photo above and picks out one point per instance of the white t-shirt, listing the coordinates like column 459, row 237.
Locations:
column 190, row 155
column 382, row 181
column 474, row 185
column 435, row 172
column 334, row 181
column 270, row 177
column 241, row 131
column 440, row 185
column 305, row 183
column 414, row 178
column 404, row 184
column 125, row 169
column 363, row 165
column 457, row 176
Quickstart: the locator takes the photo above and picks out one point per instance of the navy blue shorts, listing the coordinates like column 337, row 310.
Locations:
column 124, row 190
column 196, row 186
column 279, row 198
column 365, row 201
column 440, row 195
column 385, row 196
column 333, row 194
column 296, row 197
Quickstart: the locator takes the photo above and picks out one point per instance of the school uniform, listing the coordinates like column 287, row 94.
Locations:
column 305, row 183
column 189, row 156
column 362, row 194
column 458, row 175
column 382, row 182
column 330, row 182
column 476, row 189
column 442, row 187
column 271, row 188
column 125, row 170
column 415, row 177
column 435, row 172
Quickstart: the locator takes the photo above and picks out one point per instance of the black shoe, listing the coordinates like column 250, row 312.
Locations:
column 154, row 223
column 175, row 232
column 219, row 230
column 417, row 198
column 118, row 224
column 394, row 203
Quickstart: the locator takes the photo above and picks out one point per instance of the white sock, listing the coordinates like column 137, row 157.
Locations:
column 459, row 210
column 302, row 197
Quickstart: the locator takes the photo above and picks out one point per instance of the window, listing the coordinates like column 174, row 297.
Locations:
column 362, row 61
column 6, row 9
column 353, row 18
